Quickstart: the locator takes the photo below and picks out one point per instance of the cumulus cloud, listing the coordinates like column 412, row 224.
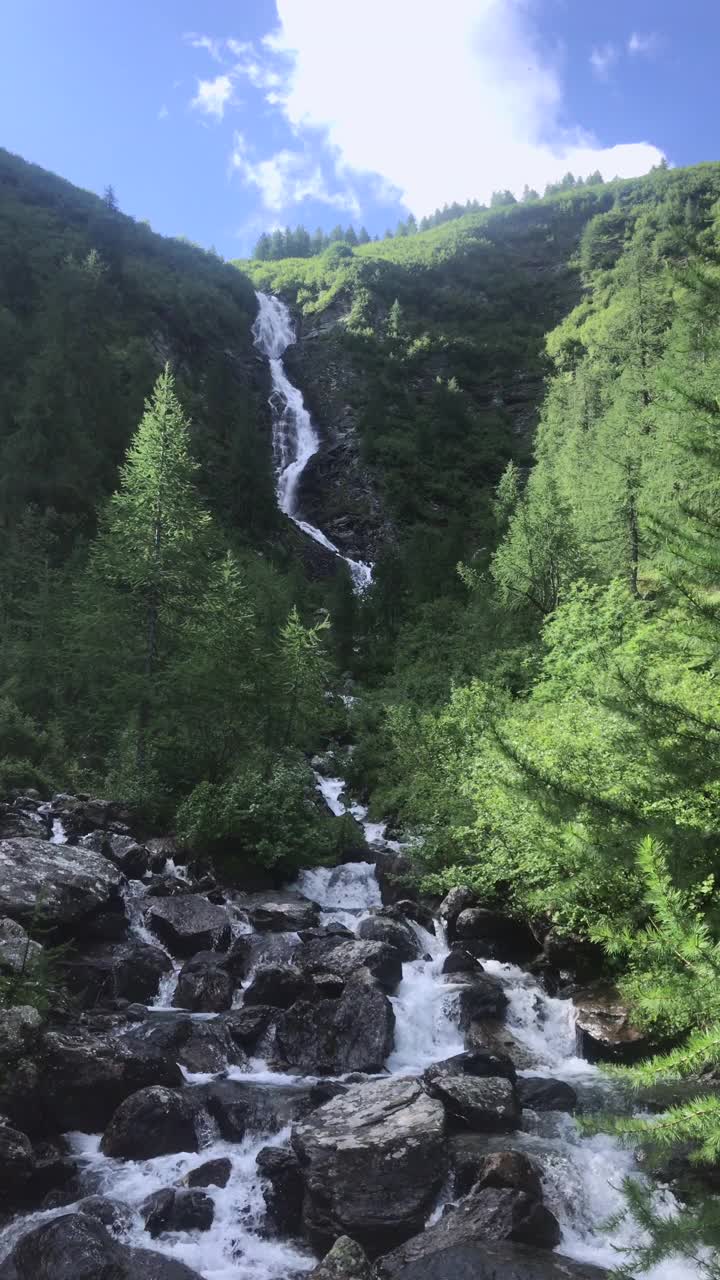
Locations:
column 603, row 59
column 213, row 96
column 210, row 43
column 643, row 44
column 442, row 107
column 287, row 178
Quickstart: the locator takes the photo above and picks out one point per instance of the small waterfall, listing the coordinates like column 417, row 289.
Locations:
column 295, row 440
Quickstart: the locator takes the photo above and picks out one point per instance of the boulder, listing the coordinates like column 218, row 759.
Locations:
column 373, row 1161
column 241, row 1107
column 476, row 1063
column 484, row 997
column 458, row 960
column 213, row 1173
column 21, row 818
column 490, row 1035
column 75, row 1246
column 209, row 1046
column 500, row 937
column 395, row 933
column 54, row 886
column 283, row 1189
column 17, row 1162
column 204, row 984
column 279, row 912
column 113, row 1214
column 480, row 1260
column 568, row 953
column 605, row 1032
column 337, row 955
column 18, row 953
column 173, row 1209
column 332, row 930
column 511, row 1169
column 394, row 872
column 160, row 849
column 334, row 1036
column 277, row 985
column 491, row 1215
column 488, row 1105
column 247, row 1026
column 109, row 971
column 345, row 1261
column 541, row 1093
column 123, row 851
column 169, row 886
column 152, row 1122
column 19, row 1031
column 189, row 924
column 409, row 909
column 453, row 903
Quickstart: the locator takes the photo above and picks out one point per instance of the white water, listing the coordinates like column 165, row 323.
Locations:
column 295, row 440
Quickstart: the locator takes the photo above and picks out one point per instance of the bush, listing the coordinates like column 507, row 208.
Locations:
column 270, row 820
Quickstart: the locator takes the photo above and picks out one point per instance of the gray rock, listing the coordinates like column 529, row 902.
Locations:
column 209, row 1046
column 277, row 985
column 18, row 953
column 393, row 932
column 476, row 1169
column 247, row 1026
column 241, row 1107
column 17, row 1162
column 490, row 1035
column 605, row 1031
column 345, row 1261
column 478, row 1063
column 479, row 1260
column 123, row 851
column 279, row 912
column 19, row 1031
column 204, row 984
column 283, row 1189
column 488, row 1105
column 337, row 955
column 152, row 1122
column 177, row 1210
column 483, row 997
column 501, row 937
column 113, row 1214
column 55, row 885
column 458, row 960
column 75, row 1246
column 543, row 1094
column 334, row 1036
column 214, row 1173
column 189, row 924
column 373, row 1161
column 453, row 903
column 109, row 971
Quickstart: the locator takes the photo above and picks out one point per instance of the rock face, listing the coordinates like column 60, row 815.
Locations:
column 204, row 985
column 337, row 955
column 175, row 1210
column 18, row 953
column 483, row 997
column 604, row 1030
column 373, row 1159
column 472, row 1063
column 152, row 1122
column 475, row 1169
column 393, row 932
column 283, row 1189
column 488, row 1105
column 189, row 924
column 331, row 1037
column 17, row 1162
column 54, row 885
column 453, row 903
column 130, row 970
column 278, row 985
column 480, row 1260
column 345, row 1261
column 78, row 1247
column 458, row 960
column 19, row 1031
column 542, row 1094
column 214, row 1173
column 280, row 912
column 239, row 1107
column 128, row 856
column 495, row 935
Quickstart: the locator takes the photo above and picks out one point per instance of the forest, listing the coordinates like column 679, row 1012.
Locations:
column 532, row 392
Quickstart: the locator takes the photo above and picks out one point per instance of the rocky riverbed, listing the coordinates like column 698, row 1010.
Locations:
column 322, row 1079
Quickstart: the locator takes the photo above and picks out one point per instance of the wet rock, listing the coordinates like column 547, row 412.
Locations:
column 393, row 932
column 453, row 903
column 241, row 1107
column 408, row 908
column 331, row 1037
column 458, row 960
column 209, row 1046
column 489, row 1035
column 123, row 851
column 169, row 886
column 277, row 985
column 346, row 958
column 489, row 1105
column 325, row 986
column 21, row 818
column 283, row 1189
column 501, row 938
column 395, row 873
column 571, row 954
column 160, row 848
column 17, row 1162
column 345, row 1261
column 20, row 1099
column 476, row 1063
column 483, row 997
column 177, row 1210
column 373, row 1160
column 332, row 930
column 76, row 1246
column 19, row 1031
column 204, row 984
column 240, row 958
column 55, row 886
column 543, row 1094
column 113, row 1214
column 18, row 953
column 480, row 1260
column 189, row 924
column 605, row 1032
column 109, row 971
column 214, row 1173
column 247, row 1026
column 492, row 1215
column 152, row 1122
column 280, row 912
column 512, row 1169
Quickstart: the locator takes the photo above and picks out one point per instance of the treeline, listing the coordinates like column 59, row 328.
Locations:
column 299, row 243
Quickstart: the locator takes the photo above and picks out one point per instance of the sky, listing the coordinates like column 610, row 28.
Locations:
column 219, row 119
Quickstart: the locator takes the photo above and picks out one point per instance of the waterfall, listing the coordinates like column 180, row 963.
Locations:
column 295, row 439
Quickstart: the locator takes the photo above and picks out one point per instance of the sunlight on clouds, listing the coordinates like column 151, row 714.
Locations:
column 647, row 44
column 442, row 110
column 602, row 59
column 213, row 96
column 288, row 178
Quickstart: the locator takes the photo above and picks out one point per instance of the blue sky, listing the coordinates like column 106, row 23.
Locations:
column 219, row 119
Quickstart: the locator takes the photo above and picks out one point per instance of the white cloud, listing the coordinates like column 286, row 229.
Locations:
column 213, row 96
column 602, row 59
column 442, row 107
column 287, row 178
column 163, row 113
column 211, row 43
column 643, row 44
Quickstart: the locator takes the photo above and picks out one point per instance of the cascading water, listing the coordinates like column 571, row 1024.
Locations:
column 295, row 440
